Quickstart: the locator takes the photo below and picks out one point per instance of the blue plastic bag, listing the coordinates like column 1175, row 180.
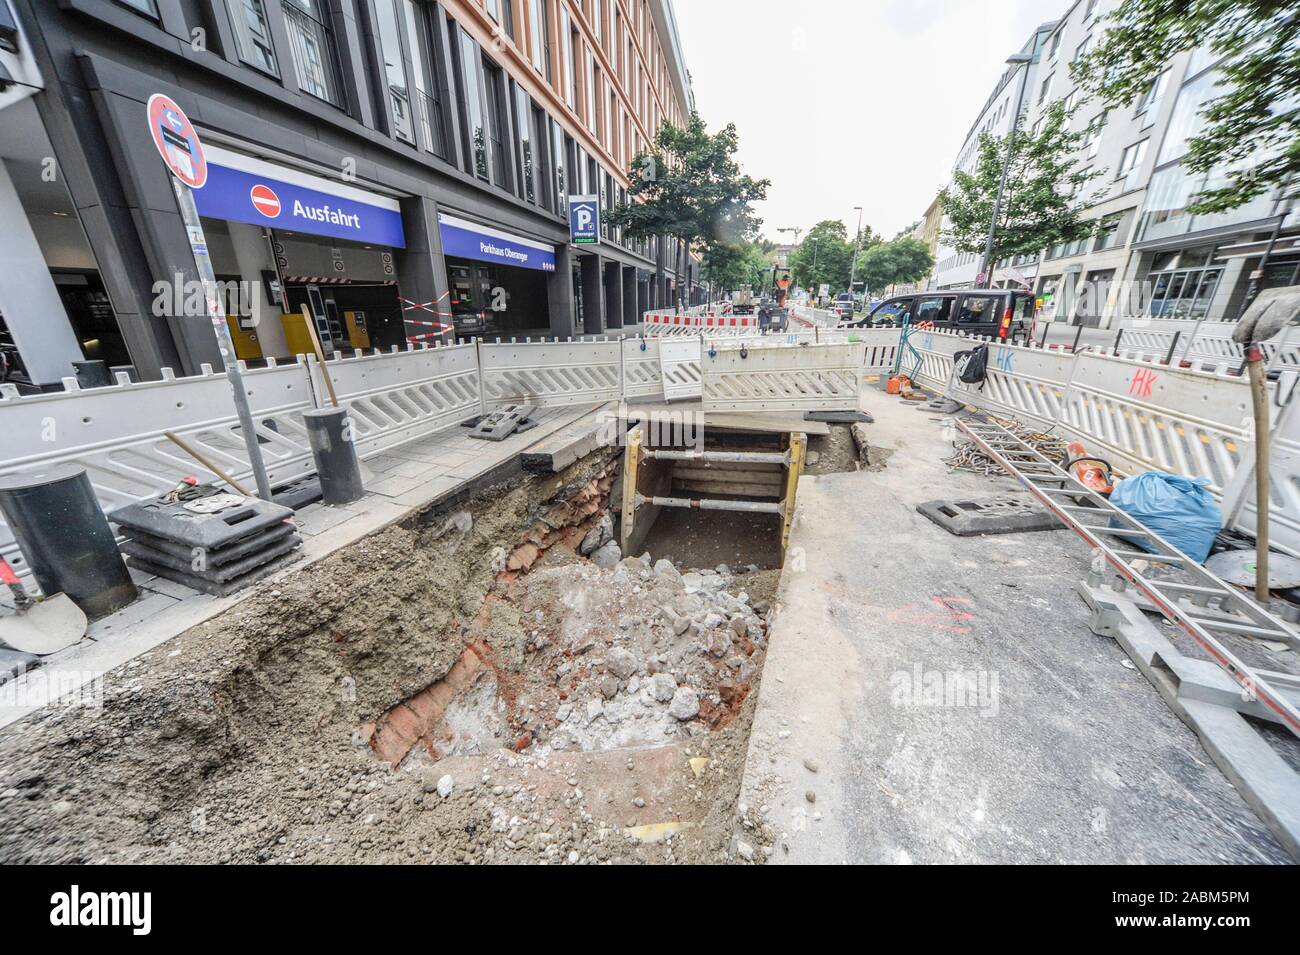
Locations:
column 1177, row 508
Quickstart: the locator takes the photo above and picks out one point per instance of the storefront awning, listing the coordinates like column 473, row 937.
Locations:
column 469, row 240
column 245, row 189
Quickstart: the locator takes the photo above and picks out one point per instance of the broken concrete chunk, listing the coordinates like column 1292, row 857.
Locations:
column 607, row 556
column 665, row 569
column 662, row 687
column 445, row 786
column 685, row 704
column 692, row 582
column 622, row 662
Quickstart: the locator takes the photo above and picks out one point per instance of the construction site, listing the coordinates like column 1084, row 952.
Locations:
column 697, row 595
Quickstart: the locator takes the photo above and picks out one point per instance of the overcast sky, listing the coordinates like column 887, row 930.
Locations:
column 850, row 102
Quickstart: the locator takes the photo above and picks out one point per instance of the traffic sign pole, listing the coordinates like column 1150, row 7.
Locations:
column 225, row 345
column 178, row 144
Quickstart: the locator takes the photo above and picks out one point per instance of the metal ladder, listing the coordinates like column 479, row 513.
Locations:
column 1185, row 592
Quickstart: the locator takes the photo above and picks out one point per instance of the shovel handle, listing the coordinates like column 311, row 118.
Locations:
column 10, row 580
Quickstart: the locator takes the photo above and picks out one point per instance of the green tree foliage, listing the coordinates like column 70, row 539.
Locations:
column 893, row 263
column 728, row 266
column 1044, row 192
column 1251, row 130
column 826, row 255
column 688, row 185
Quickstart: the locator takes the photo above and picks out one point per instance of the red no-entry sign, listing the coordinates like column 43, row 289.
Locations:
column 176, row 141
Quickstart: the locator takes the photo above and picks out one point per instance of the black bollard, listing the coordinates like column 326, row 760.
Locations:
column 65, row 537
column 92, row 374
column 330, row 433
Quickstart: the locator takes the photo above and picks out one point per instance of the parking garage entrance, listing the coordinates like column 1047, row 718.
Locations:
column 497, row 280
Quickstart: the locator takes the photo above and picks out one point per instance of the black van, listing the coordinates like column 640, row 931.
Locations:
column 998, row 313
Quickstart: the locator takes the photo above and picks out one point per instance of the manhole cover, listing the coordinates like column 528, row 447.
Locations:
column 991, row 515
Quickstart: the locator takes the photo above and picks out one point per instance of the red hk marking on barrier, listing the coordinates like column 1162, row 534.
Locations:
column 951, row 618
column 1140, row 385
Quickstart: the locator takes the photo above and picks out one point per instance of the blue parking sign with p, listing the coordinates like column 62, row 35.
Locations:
column 584, row 219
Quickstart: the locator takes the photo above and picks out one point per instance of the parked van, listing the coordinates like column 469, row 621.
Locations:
column 998, row 313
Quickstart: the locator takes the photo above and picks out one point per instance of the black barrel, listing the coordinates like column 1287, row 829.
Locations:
column 65, row 537
column 335, row 454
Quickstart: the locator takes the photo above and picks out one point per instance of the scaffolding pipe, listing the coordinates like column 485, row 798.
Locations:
column 737, row 457
column 714, row 504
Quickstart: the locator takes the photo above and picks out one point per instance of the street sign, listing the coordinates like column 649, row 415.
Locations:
column 176, row 141
column 178, row 145
column 584, row 219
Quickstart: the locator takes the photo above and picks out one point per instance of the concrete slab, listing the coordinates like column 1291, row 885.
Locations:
column 943, row 700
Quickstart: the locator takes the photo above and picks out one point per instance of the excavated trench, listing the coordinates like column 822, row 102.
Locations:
column 481, row 682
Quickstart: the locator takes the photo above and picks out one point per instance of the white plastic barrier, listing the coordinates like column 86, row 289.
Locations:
column 679, row 368
column 1139, row 415
column 400, row 396
column 642, row 377
column 803, row 378
column 1209, row 343
column 550, row 374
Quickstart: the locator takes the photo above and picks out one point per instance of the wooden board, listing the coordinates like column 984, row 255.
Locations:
column 738, row 421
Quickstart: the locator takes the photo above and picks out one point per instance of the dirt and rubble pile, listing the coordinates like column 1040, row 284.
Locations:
column 466, row 687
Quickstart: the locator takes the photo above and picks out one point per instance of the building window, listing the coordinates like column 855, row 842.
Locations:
column 492, row 80
column 390, row 48
column 428, row 110
column 560, row 159
column 508, row 18
column 1108, row 235
column 312, row 44
column 1055, row 47
column 1184, row 293
column 1130, row 165
column 142, row 6
column 1045, row 88
column 537, row 41
column 253, row 35
column 1149, row 104
column 1082, row 49
column 1092, row 136
column 474, row 112
column 590, row 102
column 568, row 37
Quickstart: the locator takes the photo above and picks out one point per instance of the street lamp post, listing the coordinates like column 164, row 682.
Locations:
column 857, row 239
column 1017, row 59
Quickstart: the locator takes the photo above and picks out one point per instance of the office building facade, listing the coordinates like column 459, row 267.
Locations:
column 395, row 167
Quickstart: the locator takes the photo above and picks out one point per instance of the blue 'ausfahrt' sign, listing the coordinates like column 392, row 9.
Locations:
column 239, row 195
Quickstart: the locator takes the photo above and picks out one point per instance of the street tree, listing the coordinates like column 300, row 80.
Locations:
column 1042, row 199
column 1249, row 132
column 826, row 255
column 894, row 263
column 729, row 265
column 688, row 186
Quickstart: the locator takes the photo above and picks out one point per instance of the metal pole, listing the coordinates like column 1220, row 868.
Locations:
column 1002, row 182
column 853, row 268
column 199, row 246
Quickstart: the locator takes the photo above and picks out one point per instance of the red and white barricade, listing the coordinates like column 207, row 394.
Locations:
column 674, row 323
